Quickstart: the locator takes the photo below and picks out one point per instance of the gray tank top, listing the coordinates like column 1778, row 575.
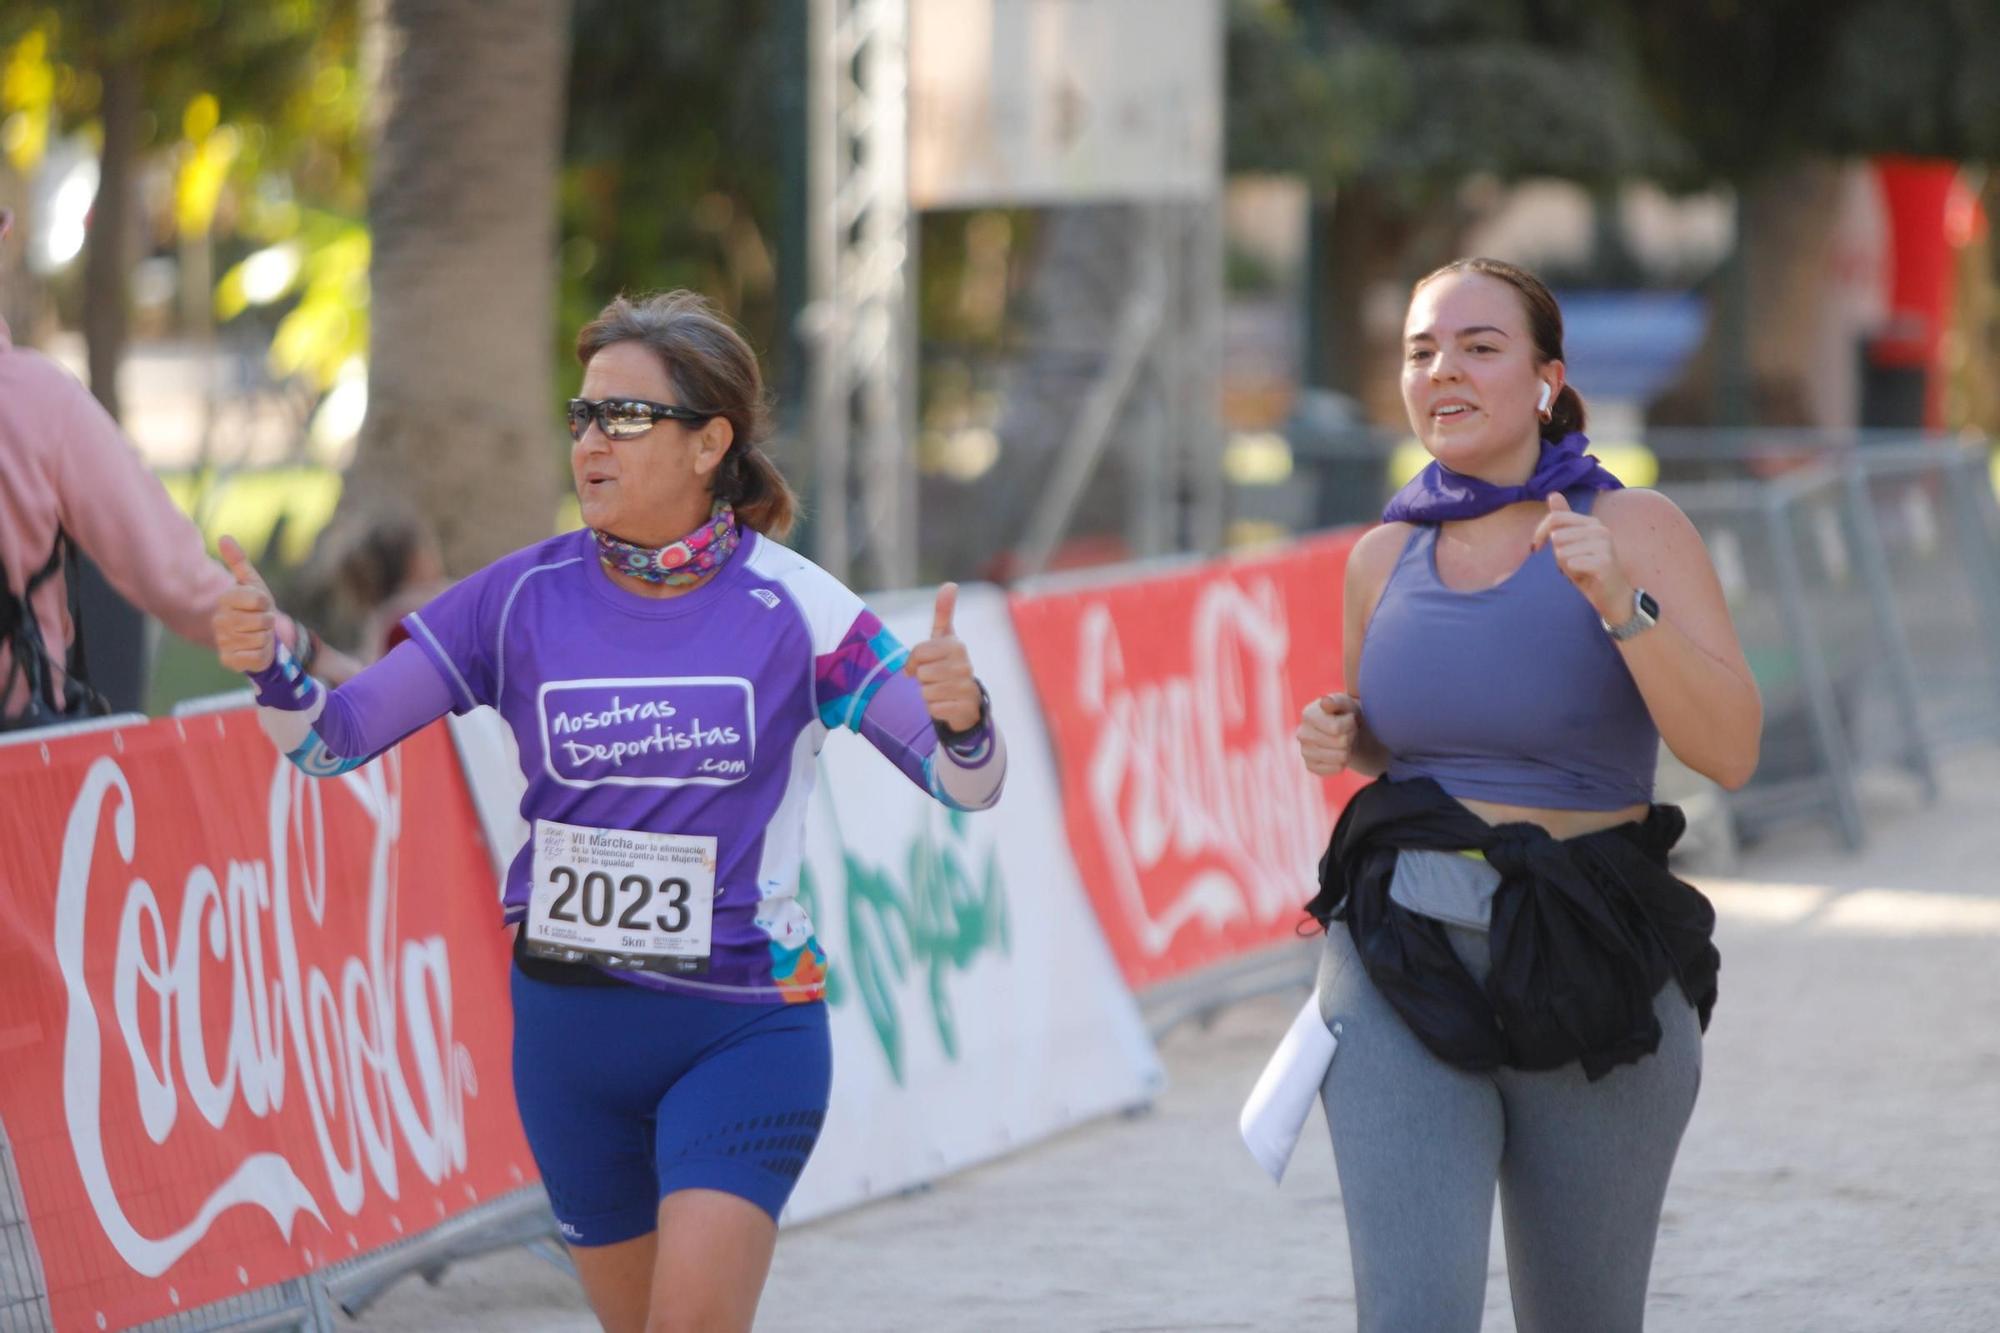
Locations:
column 1512, row 694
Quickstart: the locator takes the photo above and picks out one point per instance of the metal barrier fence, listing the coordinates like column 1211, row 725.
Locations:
column 24, row 1302
column 1752, row 531
column 521, row 1218
column 1200, row 996
column 1937, row 532
column 324, row 1300
column 1866, row 588
column 321, row 1301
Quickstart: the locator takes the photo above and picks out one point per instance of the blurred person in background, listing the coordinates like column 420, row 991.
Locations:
column 391, row 567
column 669, row 673
column 71, row 482
column 1520, row 986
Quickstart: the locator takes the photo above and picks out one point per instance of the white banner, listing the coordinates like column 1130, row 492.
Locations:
column 975, row 1005
column 492, row 763
column 1058, row 102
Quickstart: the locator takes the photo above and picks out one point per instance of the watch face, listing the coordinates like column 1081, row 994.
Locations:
column 1647, row 606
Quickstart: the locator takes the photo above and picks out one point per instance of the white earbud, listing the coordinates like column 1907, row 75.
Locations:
column 1543, row 405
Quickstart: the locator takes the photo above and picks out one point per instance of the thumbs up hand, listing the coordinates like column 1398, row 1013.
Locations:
column 246, row 618
column 943, row 667
column 1585, row 554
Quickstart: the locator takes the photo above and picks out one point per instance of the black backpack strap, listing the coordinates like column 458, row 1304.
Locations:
column 28, row 653
column 79, row 696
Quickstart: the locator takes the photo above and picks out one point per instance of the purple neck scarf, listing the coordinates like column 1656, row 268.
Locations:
column 1438, row 495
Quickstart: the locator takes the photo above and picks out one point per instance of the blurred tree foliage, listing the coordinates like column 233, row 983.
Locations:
column 1769, row 97
column 1411, row 97
column 254, row 109
column 1753, row 87
column 683, row 160
column 218, row 128
column 266, row 64
column 1389, row 107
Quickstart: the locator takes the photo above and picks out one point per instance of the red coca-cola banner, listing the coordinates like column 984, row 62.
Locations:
column 251, row 1023
column 1172, row 703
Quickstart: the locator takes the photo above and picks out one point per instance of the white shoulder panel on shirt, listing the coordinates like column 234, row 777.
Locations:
column 827, row 605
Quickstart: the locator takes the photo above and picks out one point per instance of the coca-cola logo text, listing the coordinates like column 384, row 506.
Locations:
column 1196, row 778
column 360, row 1044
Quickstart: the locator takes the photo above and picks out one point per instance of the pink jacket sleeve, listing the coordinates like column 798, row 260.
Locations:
column 125, row 521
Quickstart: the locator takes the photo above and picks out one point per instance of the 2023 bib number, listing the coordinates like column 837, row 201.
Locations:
column 593, row 898
column 622, row 898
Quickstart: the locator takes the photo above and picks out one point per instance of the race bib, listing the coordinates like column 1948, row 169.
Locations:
column 620, row 898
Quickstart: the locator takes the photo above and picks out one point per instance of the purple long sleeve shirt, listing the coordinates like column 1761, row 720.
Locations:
column 696, row 716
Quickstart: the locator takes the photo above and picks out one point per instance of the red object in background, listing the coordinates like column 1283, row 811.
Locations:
column 1172, row 703
column 253, row 1023
column 1915, row 194
column 1965, row 218
column 1932, row 215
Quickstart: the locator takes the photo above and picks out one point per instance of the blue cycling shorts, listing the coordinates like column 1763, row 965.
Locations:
column 628, row 1095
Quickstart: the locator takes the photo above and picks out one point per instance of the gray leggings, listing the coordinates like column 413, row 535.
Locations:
column 1582, row 1167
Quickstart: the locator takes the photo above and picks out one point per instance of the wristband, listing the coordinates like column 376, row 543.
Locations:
column 947, row 736
column 305, row 644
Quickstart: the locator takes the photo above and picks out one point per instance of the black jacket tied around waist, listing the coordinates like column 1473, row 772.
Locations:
column 1584, row 932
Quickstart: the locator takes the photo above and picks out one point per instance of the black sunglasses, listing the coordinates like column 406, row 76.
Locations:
column 626, row 418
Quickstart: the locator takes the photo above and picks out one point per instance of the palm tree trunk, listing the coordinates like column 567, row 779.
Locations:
column 113, row 629
column 1777, row 281
column 108, row 260
column 1360, row 240
column 462, row 212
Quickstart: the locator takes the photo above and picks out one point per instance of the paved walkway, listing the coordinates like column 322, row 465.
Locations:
column 1842, row 1172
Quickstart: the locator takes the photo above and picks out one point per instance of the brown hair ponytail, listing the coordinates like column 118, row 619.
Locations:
column 763, row 499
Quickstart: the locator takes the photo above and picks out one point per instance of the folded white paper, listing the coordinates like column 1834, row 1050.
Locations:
column 1286, row 1090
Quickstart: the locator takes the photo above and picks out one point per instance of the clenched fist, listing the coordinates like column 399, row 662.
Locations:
column 1326, row 733
column 1587, row 557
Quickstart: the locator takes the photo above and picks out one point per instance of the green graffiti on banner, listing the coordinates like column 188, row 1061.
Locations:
column 937, row 920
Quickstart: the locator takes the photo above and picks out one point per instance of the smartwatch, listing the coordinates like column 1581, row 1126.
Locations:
column 1645, row 615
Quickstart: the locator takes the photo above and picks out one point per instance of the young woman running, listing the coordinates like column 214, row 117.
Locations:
column 1517, row 984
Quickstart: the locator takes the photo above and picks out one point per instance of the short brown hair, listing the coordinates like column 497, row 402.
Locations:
column 1545, row 326
column 713, row 370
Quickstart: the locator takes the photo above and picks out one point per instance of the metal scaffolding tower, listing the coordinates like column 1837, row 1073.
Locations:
column 1164, row 361
column 861, row 322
